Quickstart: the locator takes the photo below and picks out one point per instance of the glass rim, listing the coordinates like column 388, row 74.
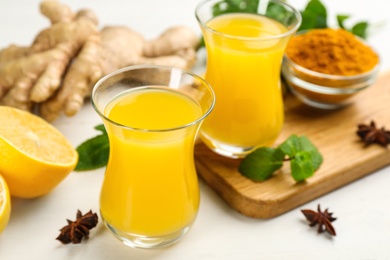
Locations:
column 246, row 38
column 137, row 67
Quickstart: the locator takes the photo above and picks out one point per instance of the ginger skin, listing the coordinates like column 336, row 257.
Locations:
column 13, row 52
column 56, row 12
column 58, row 71
column 32, row 74
column 100, row 55
column 19, row 76
column 173, row 40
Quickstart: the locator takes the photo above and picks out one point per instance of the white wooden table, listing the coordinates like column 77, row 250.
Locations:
column 362, row 207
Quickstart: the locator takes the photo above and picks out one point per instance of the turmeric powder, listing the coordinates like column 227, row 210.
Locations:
column 331, row 51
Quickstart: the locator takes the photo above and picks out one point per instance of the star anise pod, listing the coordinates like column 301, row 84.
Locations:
column 322, row 218
column 371, row 134
column 76, row 230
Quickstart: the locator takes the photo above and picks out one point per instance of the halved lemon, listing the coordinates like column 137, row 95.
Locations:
column 34, row 156
column 5, row 204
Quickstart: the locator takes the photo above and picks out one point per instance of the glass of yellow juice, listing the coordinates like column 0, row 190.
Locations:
column 244, row 50
column 150, row 195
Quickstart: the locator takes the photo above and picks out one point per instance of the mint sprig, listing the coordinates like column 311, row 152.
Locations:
column 94, row 152
column 304, row 159
column 314, row 16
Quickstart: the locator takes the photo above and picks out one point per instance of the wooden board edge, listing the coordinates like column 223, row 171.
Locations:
column 269, row 209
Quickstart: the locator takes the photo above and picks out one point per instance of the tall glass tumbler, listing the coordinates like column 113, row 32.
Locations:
column 245, row 47
column 152, row 114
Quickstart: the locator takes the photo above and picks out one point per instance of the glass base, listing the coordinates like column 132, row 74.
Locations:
column 138, row 241
column 230, row 151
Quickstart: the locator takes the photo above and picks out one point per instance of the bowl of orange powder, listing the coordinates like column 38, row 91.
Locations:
column 326, row 68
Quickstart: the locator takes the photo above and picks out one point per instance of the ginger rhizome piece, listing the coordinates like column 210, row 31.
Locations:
column 57, row 72
column 32, row 74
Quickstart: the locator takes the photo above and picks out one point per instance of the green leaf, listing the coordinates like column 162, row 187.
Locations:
column 201, row 43
column 230, row 6
column 341, row 19
column 261, row 163
column 101, row 128
column 360, row 29
column 305, row 144
column 94, row 152
column 290, row 146
column 301, row 166
column 304, row 156
column 279, row 13
column 309, row 21
column 249, row 6
column 314, row 16
column 316, row 158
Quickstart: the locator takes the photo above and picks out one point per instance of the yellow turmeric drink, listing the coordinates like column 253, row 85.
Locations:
column 244, row 55
column 150, row 187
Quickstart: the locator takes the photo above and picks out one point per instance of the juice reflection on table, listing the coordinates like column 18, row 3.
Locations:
column 244, row 71
column 150, row 186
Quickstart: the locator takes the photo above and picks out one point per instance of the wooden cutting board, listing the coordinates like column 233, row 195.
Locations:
column 333, row 132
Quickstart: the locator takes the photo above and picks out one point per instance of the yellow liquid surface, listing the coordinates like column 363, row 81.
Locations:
column 150, row 186
column 244, row 72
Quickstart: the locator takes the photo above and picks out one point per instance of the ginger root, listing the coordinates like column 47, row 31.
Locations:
column 32, row 74
column 100, row 55
column 57, row 72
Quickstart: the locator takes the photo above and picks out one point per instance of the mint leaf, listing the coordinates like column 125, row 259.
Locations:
column 290, row 146
column 315, row 156
column 261, row 163
column 305, row 144
column 304, row 156
column 301, row 166
column 94, row 152
column 360, row 29
column 230, row 6
column 309, row 21
column 201, row 43
column 101, row 128
column 340, row 20
column 314, row 16
column 304, row 159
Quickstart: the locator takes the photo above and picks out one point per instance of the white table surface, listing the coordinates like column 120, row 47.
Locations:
column 362, row 207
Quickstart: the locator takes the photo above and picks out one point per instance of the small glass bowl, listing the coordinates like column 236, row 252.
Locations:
column 325, row 91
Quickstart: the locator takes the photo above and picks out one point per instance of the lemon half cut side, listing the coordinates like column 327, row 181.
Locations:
column 34, row 156
column 5, row 204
